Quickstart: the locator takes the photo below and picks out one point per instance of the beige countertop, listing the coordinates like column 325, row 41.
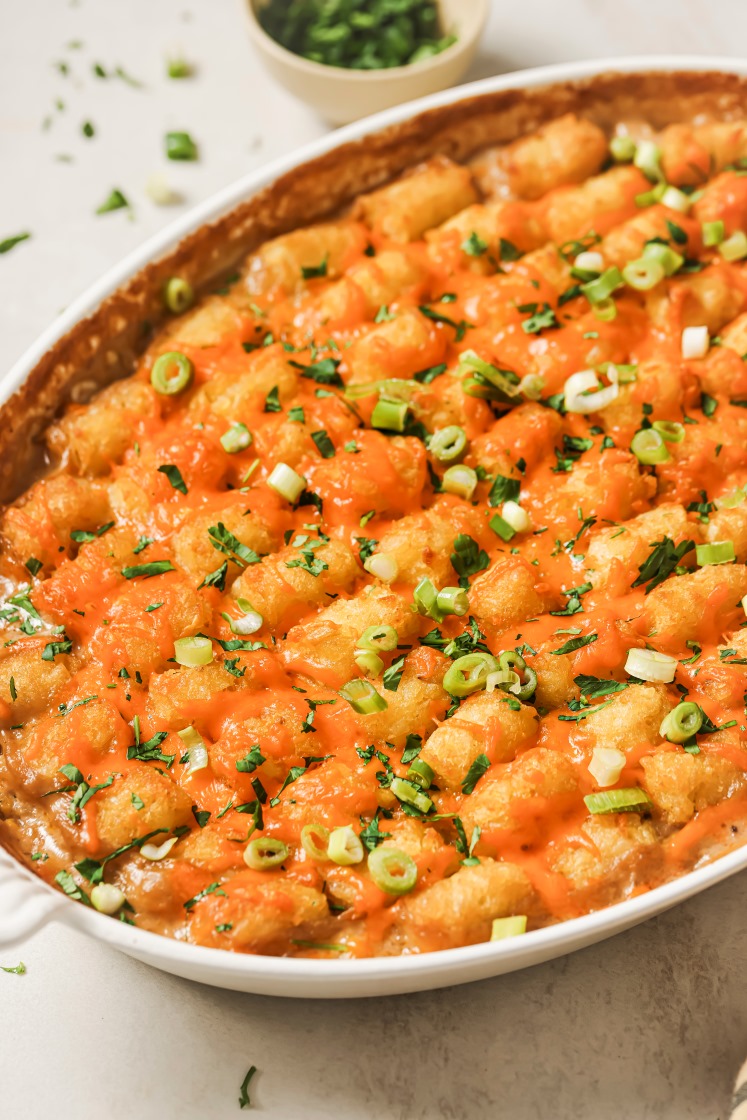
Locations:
column 650, row 1025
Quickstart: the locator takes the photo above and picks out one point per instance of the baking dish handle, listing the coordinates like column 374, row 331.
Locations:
column 25, row 905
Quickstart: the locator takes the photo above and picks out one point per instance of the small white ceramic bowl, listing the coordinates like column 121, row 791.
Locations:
column 342, row 95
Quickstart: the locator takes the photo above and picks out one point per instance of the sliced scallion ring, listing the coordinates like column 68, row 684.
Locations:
column 383, row 566
column 197, row 752
column 642, row 275
column 460, row 480
column 107, row 899
column 649, row 447
column 265, row 852
column 650, row 198
column 622, row 149
column 670, row 430
column 605, row 311
column 508, row 927
column 315, row 841
column 452, row 600
column 368, row 662
column 250, row 622
column 178, row 295
column 420, row 773
column 392, row 870
column 618, row 801
column 171, row 373
column 516, row 517
column 647, row 159
column 664, row 255
column 487, row 381
column 716, row 552
column 379, row 638
column 410, row 793
column 448, row 444
column 682, row 722
column 363, row 697
column 583, row 394
column 606, row 766
column 532, row 385
column 649, row 665
column 286, row 482
column 390, row 416
column 237, row 438
column 157, row 852
column 731, row 500
column 424, row 597
column 469, row 673
column 695, row 343
column 735, row 247
column 344, row 847
column 600, row 289
column 713, row 233
column 193, row 652
column 676, row 199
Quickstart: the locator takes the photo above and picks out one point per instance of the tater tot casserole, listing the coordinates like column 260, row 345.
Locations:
column 395, row 602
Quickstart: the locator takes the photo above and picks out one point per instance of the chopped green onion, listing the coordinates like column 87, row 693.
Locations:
column 178, row 68
column 622, row 149
column 682, row 722
column 731, row 500
column 508, row 927
column 676, row 199
column 383, row 566
column 286, row 482
column 156, row 852
column 469, row 673
column 368, row 662
column 649, row 198
column 448, row 444
column 237, row 438
column 344, row 846
column 605, row 311
column 713, row 233
column 532, row 385
column 606, row 766
column 460, row 480
column 649, row 447
column 669, row 430
column 363, row 697
column 735, row 247
column 178, row 294
column 264, row 852
column 502, row 528
column 392, row 870
column 617, row 801
column 488, row 381
column 452, row 600
column 647, row 159
column 695, row 343
column 717, row 552
column 315, row 841
column 668, row 258
column 587, row 266
column 197, row 753
column 180, row 145
column 193, row 652
column 420, row 773
column 516, row 517
column 583, row 394
column 107, row 899
column 250, row 622
column 648, row 665
column 410, row 793
column 171, row 373
column 643, row 274
column 391, row 416
column 599, row 290
column 379, row 638
column 425, row 596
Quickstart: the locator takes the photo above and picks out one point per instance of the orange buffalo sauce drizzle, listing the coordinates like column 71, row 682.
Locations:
column 84, row 597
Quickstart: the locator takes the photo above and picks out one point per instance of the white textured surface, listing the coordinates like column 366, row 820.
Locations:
column 648, row 1026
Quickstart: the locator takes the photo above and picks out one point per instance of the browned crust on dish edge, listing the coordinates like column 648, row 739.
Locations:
column 106, row 345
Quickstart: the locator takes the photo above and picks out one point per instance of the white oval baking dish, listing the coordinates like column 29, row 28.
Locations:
column 27, row 903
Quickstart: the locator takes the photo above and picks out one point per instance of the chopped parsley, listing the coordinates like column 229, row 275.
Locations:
column 479, row 767
column 575, row 643
column 314, row 271
column 661, row 562
column 224, row 541
column 324, row 372
column 324, row 444
column 146, row 571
